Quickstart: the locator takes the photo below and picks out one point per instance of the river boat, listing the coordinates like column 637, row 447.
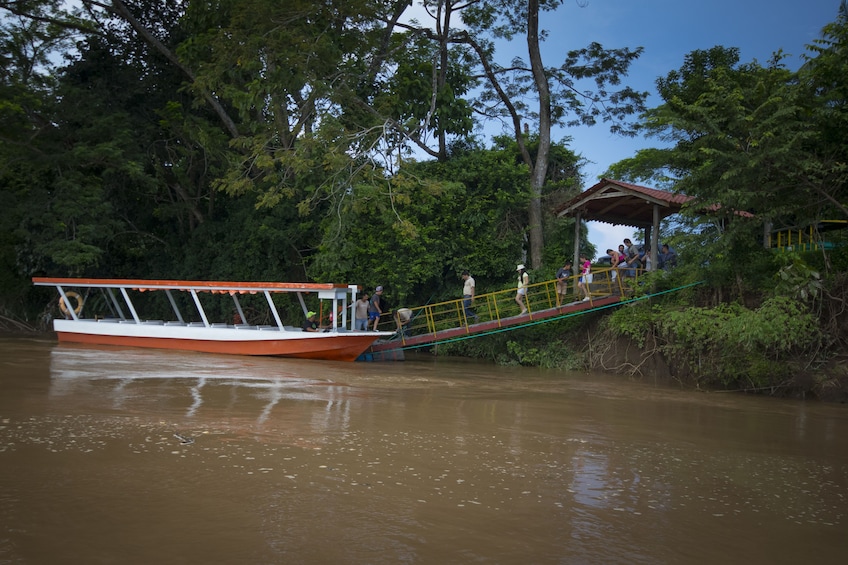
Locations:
column 113, row 317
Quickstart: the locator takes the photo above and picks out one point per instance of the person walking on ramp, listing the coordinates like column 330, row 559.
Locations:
column 468, row 290
column 523, row 283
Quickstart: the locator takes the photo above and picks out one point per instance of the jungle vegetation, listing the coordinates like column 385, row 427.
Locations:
column 338, row 141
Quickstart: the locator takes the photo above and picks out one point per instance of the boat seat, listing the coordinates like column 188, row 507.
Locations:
column 175, row 323
column 196, row 325
column 153, row 322
column 109, row 320
column 220, row 325
column 244, row 327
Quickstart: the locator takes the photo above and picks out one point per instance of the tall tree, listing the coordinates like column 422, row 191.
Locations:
column 558, row 92
column 824, row 87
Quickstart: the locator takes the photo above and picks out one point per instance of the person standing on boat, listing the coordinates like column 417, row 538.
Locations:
column 469, row 287
column 360, row 314
column 375, row 308
column 311, row 323
column 523, row 283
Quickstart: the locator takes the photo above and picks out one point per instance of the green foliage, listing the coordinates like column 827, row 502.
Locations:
column 422, row 95
column 636, row 322
column 797, row 279
column 778, row 327
column 543, row 346
column 548, row 355
column 730, row 344
column 416, row 232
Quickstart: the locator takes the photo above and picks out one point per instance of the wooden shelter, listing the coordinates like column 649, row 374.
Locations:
column 624, row 204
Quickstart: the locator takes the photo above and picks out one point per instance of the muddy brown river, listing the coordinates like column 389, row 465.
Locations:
column 130, row 456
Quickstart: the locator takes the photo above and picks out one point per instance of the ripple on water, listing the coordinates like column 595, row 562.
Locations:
column 482, row 472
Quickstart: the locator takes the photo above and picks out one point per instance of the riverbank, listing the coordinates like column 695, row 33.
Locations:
column 827, row 382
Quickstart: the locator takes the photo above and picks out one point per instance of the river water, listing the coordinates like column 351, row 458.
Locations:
column 114, row 455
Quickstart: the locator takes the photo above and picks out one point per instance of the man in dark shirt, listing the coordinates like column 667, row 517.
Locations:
column 667, row 259
column 311, row 323
column 376, row 307
column 562, row 282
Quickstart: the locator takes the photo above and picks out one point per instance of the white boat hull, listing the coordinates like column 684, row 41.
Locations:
column 339, row 345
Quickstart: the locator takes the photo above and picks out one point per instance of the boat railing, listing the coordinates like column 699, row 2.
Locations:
column 123, row 301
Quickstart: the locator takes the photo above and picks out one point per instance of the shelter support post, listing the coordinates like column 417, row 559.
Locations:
column 655, row 237
column 575, row 265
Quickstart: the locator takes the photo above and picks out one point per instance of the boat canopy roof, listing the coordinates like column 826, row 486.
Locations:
column 218, row 287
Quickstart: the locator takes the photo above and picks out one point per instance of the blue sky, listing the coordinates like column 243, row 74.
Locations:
column 667, row 30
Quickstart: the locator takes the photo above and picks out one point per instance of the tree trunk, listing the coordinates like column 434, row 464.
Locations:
column 540, row 167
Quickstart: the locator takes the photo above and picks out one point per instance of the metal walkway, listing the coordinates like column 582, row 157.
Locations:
column 495, row 311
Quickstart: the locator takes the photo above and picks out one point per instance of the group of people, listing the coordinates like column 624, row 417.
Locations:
column 367, row 312
column 629, row 260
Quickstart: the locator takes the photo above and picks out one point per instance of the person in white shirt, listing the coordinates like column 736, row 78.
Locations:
column 468, row 290
column 521, row 292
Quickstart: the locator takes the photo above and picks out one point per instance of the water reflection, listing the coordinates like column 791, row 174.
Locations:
column 120, row 377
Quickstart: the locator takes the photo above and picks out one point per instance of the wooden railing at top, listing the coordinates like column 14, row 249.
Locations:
column 494, row 306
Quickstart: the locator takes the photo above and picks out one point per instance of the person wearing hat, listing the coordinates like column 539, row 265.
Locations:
column 311, row 322
column 375, row 307
column 523, row 283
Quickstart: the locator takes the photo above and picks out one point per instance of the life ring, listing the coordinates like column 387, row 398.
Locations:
column 64, row 307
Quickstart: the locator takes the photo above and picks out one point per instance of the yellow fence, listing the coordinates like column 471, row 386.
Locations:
column 806, row 239
column 796, row 240
column 495, row 306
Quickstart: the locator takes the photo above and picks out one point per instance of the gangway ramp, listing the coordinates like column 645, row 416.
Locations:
column 496, row 311
column 410, row 341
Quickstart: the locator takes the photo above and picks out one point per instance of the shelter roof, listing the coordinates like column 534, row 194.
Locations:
column 622, row 203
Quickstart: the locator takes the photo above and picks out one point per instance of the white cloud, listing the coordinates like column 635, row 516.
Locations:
column 607, row 236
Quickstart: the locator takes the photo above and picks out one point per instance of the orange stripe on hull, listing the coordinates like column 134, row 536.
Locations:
column 341, row 348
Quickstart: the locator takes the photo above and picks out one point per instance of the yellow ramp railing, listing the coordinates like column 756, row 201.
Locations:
column 495, row 306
